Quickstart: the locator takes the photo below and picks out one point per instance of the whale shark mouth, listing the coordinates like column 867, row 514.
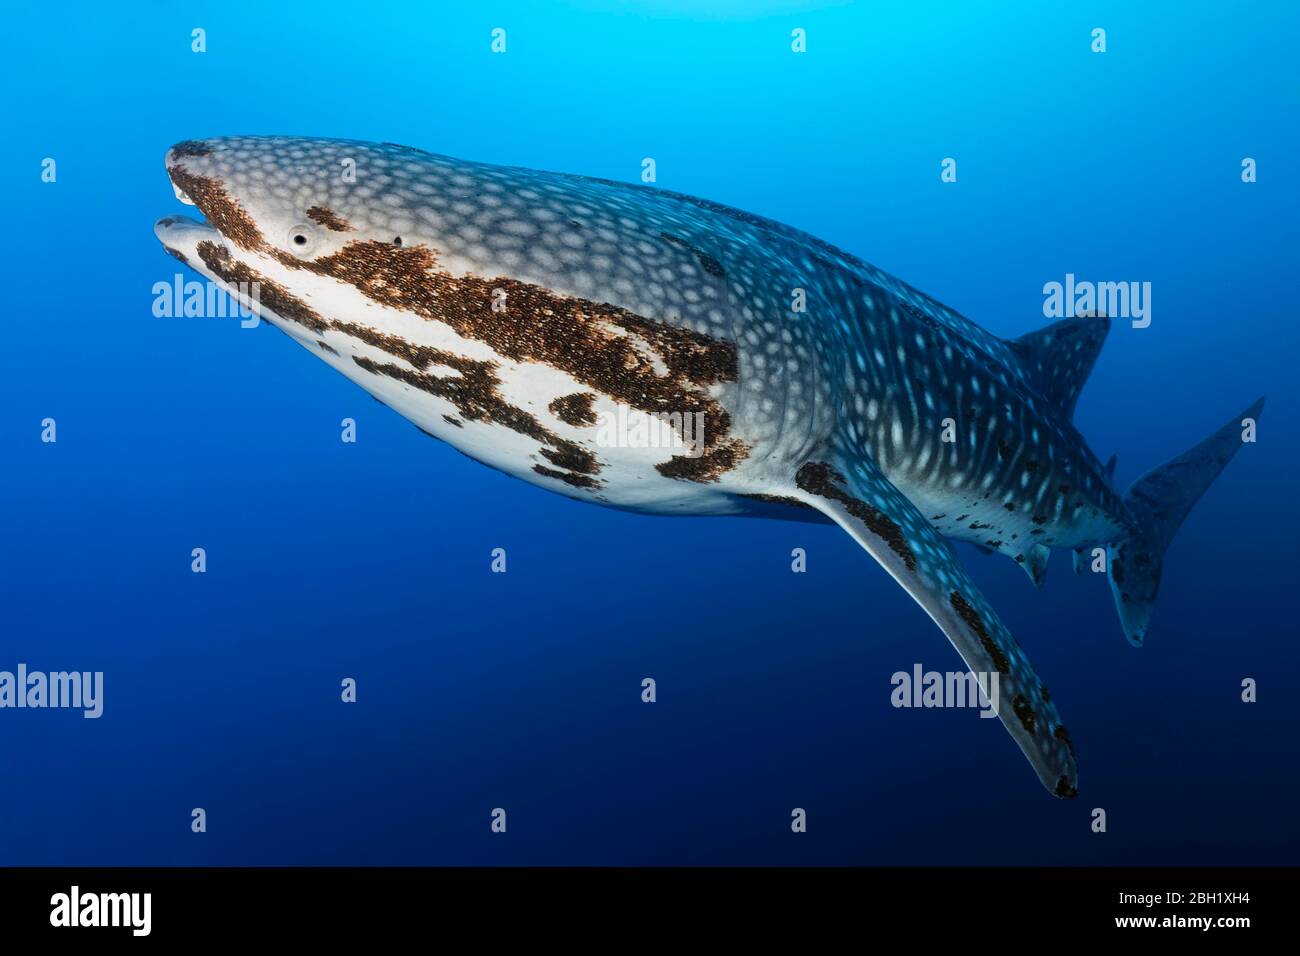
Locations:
column 181, row 235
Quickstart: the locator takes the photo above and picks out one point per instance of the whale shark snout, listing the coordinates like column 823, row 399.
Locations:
column 251, row 190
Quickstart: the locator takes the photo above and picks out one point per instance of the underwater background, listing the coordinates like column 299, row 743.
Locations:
column 522, row 690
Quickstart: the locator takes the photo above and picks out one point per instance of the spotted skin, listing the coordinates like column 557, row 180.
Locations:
column 509, row 311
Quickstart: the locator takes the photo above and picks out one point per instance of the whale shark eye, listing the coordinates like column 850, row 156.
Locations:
column 397, row 240
column 302, row 239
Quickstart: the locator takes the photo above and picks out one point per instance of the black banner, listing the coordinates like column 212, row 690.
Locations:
column 238, row 904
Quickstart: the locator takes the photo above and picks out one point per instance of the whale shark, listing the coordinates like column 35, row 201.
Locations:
column 514, row 313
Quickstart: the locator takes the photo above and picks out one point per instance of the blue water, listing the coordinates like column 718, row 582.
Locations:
column 522, row 690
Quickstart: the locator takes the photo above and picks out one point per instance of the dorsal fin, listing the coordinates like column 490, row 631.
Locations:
column 1059, row 357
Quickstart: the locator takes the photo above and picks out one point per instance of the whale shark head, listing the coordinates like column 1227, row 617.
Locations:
column 500, row 309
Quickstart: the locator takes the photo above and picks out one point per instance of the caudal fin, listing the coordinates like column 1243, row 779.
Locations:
column 1159, row 501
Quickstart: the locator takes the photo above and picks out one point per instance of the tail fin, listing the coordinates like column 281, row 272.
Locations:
column 1159, row 501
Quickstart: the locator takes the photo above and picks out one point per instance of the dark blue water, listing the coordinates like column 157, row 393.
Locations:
column 522, row 690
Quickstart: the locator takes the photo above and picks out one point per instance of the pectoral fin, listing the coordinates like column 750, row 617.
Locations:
column 880, row 518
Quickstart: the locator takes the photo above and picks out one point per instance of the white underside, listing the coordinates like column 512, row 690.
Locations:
column 627, row 476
